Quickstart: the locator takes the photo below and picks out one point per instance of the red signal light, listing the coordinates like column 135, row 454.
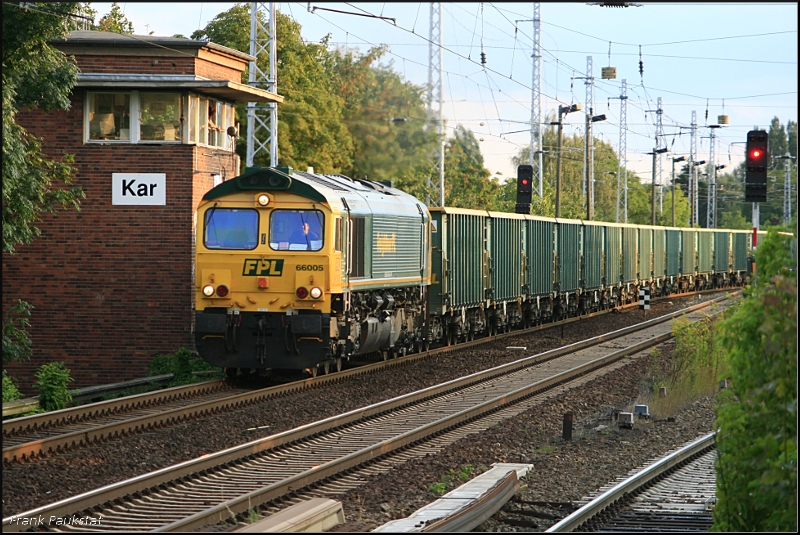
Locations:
column 524, row 182
column 755, row 154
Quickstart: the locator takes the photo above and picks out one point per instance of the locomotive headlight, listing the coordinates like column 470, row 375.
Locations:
column 208, row 290
column 263, row 199
column 222, row 290
column 316, row 293
column 301, row 293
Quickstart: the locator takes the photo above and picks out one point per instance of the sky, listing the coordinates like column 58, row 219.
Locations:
column 734, row 59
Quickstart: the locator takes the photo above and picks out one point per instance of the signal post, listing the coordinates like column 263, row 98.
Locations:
column 755, row 176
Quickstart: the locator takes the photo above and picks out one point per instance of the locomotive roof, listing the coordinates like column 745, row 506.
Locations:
column 330, row 188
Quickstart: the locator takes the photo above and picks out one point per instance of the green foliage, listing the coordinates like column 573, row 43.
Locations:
column 606, row 164
column 180, row 364
column 16, row 340
column 10, row 390
column 310, row 121
column 35, row 75
column 439, row 487
column 757, row 417
column 115, row 21
column 52, row 383
column 254, row 515
column 698, row 359
column 467, row 181
column 463, row 474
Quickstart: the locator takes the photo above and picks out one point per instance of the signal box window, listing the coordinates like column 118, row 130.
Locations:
column 109, row 116
column 160, row 117
column 231, row 229
column 296, row 230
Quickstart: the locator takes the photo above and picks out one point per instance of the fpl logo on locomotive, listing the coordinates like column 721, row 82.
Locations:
column 255, row 267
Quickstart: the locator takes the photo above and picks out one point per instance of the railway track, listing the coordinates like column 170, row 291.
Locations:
column 36, row 437
column 675, row 493
column 215, row 488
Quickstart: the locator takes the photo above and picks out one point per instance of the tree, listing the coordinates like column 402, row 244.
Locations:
column 467, row 182
column 386, row 118
column 35, row 75
column 115, row 21
column 757, row 418
column 310, row 128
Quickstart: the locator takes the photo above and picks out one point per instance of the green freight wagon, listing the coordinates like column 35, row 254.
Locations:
column 630, row 261
column 740, row 245
column 506, row 268
column 660, row 257
column 540, row 259
column 593, row 260
column 689, row 252
column 646, row 255
column 568, row 238
column 613, row 260
column 705, row 250
column 460, row 272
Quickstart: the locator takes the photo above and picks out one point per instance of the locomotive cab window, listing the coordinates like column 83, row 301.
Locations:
column 296, row 230
column 227, row 228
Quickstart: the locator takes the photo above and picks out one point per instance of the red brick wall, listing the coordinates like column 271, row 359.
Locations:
column 159, row 65
column 215, row 71
column 111, row 286
column 136, row 64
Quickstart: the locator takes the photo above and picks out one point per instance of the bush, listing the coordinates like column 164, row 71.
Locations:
column 10, row 390
column 52, row 386
column 180, row 364
column 757, row 416
column 16, row 340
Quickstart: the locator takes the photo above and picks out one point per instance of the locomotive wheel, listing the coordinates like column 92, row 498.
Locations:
column 231, row 373
column 470, row 335
column 338, row 364
column 312, row 371
column 326, row 367
column 384, row 355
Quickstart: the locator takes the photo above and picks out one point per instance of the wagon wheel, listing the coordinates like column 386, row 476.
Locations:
column 470, row 335
column 384, row 355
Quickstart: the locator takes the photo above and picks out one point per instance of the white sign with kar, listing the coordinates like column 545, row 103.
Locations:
column 142, row 189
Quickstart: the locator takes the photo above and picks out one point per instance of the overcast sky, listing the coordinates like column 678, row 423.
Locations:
column 734, row 59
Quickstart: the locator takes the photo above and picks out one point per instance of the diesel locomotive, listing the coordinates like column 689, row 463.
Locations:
column 297, row 270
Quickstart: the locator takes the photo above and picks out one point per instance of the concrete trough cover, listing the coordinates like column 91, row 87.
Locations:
column 625, row 419
column 641, row 410
column 314, row 515
column 456, row 500
column 516, row 348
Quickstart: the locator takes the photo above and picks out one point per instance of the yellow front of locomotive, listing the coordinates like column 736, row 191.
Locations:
column 268, row 262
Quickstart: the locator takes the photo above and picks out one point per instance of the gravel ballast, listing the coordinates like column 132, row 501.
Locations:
column 30, row 485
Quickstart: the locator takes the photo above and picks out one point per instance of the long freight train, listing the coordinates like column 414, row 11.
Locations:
column 304, row 271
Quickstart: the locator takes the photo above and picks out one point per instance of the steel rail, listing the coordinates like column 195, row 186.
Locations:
column 82, row 438
column 40, row 422
column 136, row 485
column 624, row 488
column 244, row 502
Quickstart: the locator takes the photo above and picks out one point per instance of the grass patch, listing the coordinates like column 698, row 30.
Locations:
column 545, row 449
column 463, row 474
column 694, row 370
column 182, row 365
